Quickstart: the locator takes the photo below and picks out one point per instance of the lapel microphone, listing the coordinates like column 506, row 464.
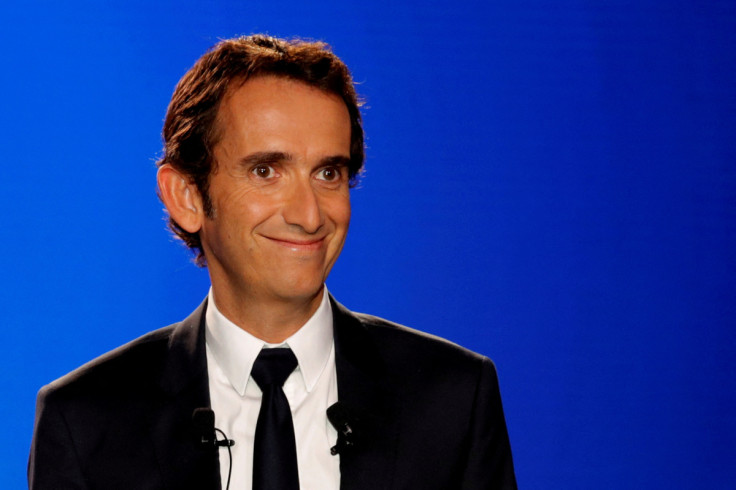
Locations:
column 344, row 419
column 203, row 422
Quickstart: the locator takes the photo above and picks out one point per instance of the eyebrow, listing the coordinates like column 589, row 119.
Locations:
column 336, row 161
column 270, row 157
column 265, row 157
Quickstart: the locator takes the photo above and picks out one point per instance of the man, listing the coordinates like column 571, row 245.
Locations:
column 263, row 138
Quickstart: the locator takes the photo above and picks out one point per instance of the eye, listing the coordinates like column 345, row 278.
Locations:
column 329, row 174
column 263, row 171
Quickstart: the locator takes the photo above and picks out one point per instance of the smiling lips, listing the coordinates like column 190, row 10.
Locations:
column 299, row 245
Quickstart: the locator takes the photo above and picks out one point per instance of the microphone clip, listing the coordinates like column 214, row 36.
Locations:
column 344, row 439
column 224, row 442
column 346, row 419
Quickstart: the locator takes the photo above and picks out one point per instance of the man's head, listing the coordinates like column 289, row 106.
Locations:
column 193, row 124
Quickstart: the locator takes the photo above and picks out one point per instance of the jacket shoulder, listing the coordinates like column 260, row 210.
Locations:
column 128, row 366
column 414, row 358
column 414, row 343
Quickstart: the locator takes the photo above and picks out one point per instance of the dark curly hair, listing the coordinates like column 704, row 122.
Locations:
column 190, row 131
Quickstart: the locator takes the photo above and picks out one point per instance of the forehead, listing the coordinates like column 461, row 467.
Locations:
column 265, row 95
column 280, row 115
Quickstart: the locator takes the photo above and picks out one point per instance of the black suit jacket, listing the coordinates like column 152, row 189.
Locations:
column 427, row 414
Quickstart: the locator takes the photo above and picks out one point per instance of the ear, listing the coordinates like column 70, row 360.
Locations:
column 181, row 198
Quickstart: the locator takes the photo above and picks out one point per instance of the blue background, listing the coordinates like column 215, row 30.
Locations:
column 552, row 184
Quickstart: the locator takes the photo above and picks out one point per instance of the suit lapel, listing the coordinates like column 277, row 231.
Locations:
column 184, row 385
column 362, row 385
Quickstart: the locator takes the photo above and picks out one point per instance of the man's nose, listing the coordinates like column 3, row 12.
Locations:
column 302, row 207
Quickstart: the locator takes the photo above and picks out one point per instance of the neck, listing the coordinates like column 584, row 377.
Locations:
column 272, row 320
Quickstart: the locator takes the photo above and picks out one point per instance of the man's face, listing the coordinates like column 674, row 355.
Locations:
column 280, row 193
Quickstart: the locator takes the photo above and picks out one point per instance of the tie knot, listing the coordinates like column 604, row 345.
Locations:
column 273, row 366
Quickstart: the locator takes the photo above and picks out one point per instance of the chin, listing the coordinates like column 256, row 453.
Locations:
column 302, row 289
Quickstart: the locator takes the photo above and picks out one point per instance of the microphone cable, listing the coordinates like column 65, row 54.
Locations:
column 227, row 443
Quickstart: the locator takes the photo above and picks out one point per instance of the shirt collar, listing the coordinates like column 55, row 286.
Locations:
column 235, row 350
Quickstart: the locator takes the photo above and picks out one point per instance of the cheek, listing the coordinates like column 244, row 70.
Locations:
column 340, row 212
column 248, row 209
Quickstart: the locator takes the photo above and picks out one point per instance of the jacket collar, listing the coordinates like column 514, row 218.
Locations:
column 185, row 387
column 186, row 362
column 363, row 387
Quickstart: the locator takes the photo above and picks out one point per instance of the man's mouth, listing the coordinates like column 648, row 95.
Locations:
column 299, row 245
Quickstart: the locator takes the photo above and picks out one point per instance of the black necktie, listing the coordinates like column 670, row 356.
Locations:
column 274, row 451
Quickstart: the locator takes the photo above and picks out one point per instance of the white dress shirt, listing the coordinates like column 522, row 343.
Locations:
column 310, row 389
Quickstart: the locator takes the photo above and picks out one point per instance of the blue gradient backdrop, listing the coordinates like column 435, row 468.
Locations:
column 552, row 184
